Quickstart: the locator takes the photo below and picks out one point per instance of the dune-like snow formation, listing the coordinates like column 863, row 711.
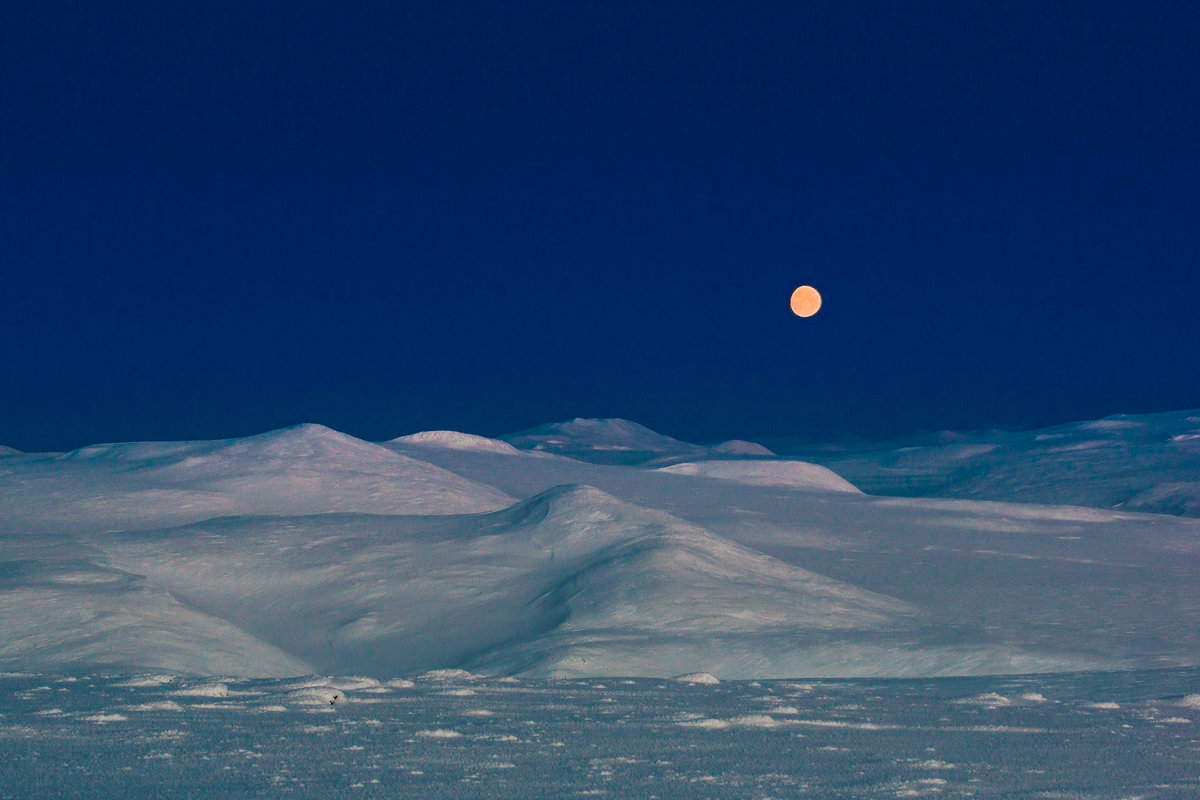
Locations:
column 308, row 551
column 795, row 474
column 8, row 451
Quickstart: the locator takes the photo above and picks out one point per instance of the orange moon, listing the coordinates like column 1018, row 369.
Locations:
column 806, row 301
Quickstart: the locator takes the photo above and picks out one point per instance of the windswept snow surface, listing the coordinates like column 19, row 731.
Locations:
column 1148, row 463
column 513, row 617
column 8, row 451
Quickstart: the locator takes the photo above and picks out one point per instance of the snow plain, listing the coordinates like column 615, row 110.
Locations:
column 166, row 610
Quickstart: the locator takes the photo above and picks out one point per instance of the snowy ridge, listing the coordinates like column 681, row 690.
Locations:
column 9, row 451
column 793, row 474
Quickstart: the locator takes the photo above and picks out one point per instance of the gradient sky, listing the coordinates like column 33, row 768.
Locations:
column 216, row 220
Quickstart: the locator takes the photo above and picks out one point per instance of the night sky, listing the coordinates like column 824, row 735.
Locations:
column 218, row 219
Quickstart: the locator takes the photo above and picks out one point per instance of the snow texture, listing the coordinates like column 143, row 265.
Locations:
column 1099, row 735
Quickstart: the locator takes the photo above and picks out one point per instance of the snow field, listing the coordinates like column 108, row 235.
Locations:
column 105, row 736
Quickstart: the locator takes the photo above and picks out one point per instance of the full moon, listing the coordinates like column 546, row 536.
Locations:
column 806, row 301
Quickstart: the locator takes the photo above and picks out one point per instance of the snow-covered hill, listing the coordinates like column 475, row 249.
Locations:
column 308, row 469
column 1147, row 463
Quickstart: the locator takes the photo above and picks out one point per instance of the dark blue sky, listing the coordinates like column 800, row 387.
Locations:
column 388, row 217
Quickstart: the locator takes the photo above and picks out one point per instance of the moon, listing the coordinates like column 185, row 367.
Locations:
column 806, row 301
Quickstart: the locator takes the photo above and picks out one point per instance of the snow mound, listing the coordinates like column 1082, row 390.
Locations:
column 738, row 447
column 706, row 678
column 457, row 441
column 9, row 451
column 792, row 474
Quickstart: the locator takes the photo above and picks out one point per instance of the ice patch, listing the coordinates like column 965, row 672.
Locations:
column 705, row 723
column 162, row 705
column 440, row 733
column 147, row 680
column 757, row 721
column 991, row 700
column 204, row 690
